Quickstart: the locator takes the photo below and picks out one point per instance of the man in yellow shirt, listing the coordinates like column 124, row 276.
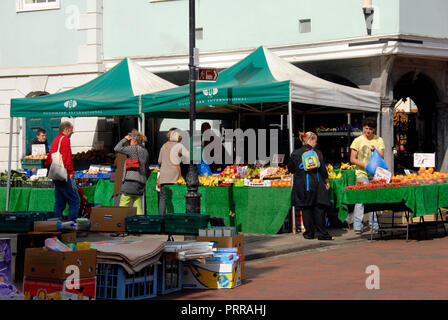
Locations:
column 361, row 149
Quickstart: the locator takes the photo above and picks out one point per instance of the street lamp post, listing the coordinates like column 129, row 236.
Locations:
column 192, row 197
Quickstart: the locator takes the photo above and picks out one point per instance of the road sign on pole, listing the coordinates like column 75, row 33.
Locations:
column 208, row 74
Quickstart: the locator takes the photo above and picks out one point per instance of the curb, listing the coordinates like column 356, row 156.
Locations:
column 310, row 247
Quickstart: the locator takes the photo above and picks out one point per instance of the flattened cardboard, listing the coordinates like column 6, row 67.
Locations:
column 110, row 218
column 43, row 264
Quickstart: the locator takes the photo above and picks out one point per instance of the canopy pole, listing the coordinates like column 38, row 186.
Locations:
column 291, row 149
column 9, row 163
column 140, row 113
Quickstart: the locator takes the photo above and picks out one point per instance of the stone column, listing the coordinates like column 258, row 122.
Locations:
column 442, row 136
column 387, row 131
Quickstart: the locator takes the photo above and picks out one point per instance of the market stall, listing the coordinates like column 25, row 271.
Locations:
column 262, row 83
column 422, row 194
column 116, row 92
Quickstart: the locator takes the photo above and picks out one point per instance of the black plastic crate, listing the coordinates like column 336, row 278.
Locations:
column 144, row 224
column 185, row 223
column 16, row 222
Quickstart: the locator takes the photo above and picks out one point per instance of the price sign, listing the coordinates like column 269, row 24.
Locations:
column 41, row 172
column 37, row 149
column 427, row 160
column 381, row 173
column 277, row 158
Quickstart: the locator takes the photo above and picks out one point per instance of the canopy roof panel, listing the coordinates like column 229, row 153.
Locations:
column 113, row 93
column 262, row 77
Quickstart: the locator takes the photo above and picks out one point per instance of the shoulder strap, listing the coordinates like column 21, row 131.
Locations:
column 59, row 146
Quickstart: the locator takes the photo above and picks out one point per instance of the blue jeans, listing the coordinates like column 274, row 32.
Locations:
column 66, row 192
column 358, row 213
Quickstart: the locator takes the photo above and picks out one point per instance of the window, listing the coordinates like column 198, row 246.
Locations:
column 305, row 25
column 199, row 33
column 34, row 5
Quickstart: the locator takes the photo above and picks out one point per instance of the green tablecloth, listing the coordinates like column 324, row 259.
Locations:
column 421, row 200
column 35, row 199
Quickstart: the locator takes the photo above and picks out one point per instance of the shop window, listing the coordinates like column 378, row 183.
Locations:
column 35, row 5
column 305, row 25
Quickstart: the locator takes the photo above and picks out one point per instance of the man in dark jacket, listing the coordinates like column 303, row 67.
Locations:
column 41, row 138
column 65, row 191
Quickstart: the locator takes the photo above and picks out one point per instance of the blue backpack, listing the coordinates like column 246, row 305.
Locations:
column 310, row 161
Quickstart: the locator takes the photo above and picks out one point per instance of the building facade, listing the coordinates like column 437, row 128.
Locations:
column 398, row 48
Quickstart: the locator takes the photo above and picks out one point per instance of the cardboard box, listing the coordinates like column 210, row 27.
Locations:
column 68, row 236
column 228, row 242
column 43, row 289
column 43, row 264
column 110, row 218
column 199, row 275
column 43, row 226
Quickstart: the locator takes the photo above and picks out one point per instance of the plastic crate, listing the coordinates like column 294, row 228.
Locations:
column 185, row 223
column 33, row 163
column 114, row 283
column 169, row 276
column 16, row 222
column 144, row 224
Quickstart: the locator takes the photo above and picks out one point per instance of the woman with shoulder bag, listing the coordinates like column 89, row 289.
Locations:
column 134, row 180
column 169, row 162
column 310, row 187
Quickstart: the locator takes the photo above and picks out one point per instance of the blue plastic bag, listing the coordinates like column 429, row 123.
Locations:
column 203, row 168
column 375, row 161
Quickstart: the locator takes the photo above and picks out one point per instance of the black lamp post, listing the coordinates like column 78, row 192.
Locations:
column 192, row 197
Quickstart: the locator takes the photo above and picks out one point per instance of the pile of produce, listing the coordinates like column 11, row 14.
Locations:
column 36, row 157
column 424, row 176
column 344, row 166
column 20, row 179
column 343, row 128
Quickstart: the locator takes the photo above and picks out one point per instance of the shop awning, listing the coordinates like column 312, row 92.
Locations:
column 116, row 92
column 262, row 77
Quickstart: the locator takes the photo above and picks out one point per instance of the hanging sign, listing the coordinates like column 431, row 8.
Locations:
column 426, row 160
column 208, row 74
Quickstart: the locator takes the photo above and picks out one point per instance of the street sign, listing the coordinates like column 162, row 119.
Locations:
column 208, row 74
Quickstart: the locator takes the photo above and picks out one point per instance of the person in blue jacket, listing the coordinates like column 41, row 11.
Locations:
column 310, row 186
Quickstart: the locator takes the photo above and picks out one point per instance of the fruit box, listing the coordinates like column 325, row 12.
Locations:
column 44, row 289
column 199, row 275
column 43, row 264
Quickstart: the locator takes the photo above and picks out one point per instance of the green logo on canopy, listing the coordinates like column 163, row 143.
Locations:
column 70, row 104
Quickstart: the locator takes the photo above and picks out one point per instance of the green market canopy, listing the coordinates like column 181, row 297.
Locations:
column 116, row 92
column 262, row 77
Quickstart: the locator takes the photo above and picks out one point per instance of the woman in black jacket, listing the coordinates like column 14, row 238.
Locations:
column 310, row 187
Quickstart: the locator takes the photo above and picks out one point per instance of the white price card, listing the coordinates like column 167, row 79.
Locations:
column 426, row 160
column 384, row 174
column 37, row 149
column 41, row 172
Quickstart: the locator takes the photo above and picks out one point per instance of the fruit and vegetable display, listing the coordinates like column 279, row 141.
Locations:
column 36, row 157
column 245, row 175
column 343, row 128
column 21, row 179
column 424, row 176
column 344, row 166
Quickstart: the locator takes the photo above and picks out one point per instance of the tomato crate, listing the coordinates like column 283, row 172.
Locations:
column 33, row 163
column 185, row 223
column 16, row 222
column 169, row 276
column 114, row 283
column 144, row 224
